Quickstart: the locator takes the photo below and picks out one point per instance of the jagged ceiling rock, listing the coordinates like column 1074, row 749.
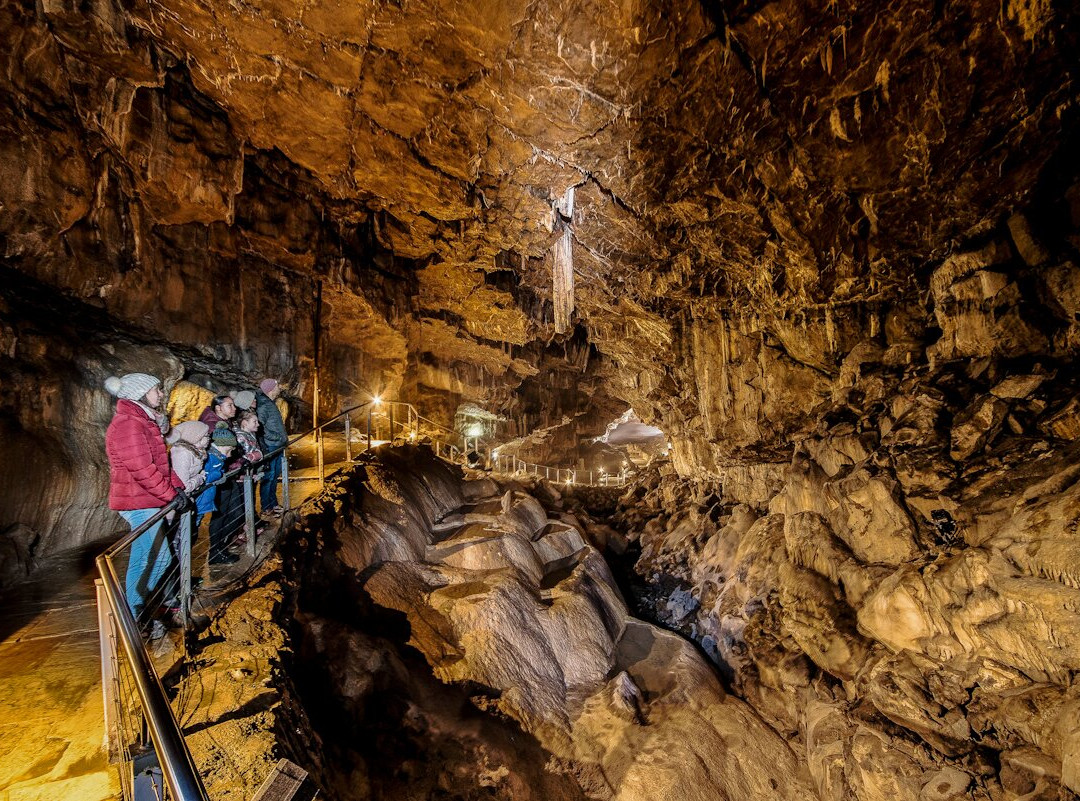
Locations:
column 759, row 188
column 778, row 155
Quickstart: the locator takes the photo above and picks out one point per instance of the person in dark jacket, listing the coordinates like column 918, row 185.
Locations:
column 273, row 437
column 228, row 515
column 141, row 480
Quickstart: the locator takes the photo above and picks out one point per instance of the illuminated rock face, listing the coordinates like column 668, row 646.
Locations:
column 893, row 592
column 509, row 598
column 754, row 183
column 829, row 248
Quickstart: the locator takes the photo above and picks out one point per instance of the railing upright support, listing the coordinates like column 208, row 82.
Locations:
column 249, row 511
column 369, row 429
column 348, row 438
column 107, row 641
column 285, row 479
column 185, row 568
column 322, row 461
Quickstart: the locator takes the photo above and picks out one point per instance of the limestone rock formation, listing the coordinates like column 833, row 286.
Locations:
column 910, row 595
column 831, row 249
column 512, row 602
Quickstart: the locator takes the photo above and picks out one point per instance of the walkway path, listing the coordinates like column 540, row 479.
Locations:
column 51, row 732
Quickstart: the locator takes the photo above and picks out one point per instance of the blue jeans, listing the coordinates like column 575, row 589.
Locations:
column 150, row 556
column 268, row 485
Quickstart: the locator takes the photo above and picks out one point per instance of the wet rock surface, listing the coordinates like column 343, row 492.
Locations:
column 757, row 190
column 560, row 693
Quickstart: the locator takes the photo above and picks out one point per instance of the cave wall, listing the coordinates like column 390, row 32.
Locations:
column 140, row 232
column 870, row 524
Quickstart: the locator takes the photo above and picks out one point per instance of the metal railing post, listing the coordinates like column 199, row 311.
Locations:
column 390, row 412
column 284, row 456
column 107, row 641
column 322, row 461
column 369, row 429
column 185, row 568
column 249, row 511
column 348, row 438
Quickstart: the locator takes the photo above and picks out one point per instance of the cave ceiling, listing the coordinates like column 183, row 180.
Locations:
column 768, row 159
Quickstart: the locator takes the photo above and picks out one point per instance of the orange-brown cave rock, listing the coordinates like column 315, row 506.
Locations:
column 826, row 254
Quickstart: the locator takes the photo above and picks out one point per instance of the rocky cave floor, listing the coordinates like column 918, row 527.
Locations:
column 425, row 636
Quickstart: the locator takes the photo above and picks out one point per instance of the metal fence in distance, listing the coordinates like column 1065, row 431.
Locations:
column 570, row 476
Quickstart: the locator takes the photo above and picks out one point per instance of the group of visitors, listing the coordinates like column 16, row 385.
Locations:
column 145, row 475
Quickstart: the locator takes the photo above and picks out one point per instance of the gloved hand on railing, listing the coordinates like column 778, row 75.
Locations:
column 183, row 501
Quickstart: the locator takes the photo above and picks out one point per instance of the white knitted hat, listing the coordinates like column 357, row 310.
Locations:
column 132, row 386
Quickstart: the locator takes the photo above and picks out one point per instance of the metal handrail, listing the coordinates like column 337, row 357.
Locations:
column 174, row 758
column 431, row 422
column 281, row 449
column 519, row 465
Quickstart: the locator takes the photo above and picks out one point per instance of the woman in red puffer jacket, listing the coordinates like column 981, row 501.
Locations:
column 141, row 480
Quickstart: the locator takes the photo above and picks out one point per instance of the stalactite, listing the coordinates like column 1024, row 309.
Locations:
column 563, row 279
column 563, row 263
column 727, row 400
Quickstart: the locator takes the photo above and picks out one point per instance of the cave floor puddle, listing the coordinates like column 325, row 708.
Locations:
column 51, row 716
